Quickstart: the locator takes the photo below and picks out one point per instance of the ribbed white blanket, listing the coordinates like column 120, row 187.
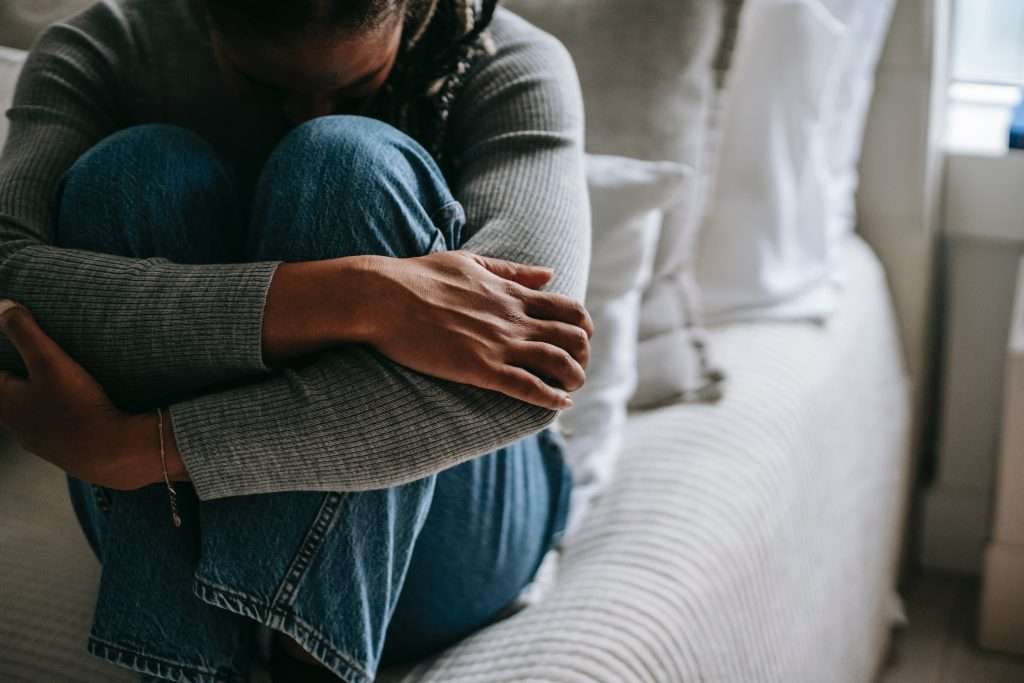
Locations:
column 749, row 541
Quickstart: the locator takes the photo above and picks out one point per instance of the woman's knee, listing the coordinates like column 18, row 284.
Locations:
column 150, row 190
column 345, row 185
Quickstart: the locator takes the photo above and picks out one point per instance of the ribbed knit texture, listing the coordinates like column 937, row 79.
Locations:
column 153, row 331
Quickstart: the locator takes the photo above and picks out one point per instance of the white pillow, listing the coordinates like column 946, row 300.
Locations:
column 763, row 248
column 627, row 196
column 867, row 24
column 783, row 197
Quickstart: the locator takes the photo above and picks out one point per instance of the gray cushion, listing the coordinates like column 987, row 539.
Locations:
column 646, row 68
column 10, row 66
column 652, row 72
column 22, row 20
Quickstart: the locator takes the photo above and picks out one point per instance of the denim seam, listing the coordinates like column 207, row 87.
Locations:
column 553, row 446
column 157, row 666
column 279, row 614
column 285, row 620
column 439, row 212
column 323, row 523
column 444, row 207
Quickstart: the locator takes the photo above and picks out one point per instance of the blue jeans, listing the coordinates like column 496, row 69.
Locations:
column 359, row 580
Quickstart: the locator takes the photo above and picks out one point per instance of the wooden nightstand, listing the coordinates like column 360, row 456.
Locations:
column 1001, row 624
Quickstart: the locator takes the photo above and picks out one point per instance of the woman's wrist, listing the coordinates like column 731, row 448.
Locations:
column 137, row 460
column 313, row 305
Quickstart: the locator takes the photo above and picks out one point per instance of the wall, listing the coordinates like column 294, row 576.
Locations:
column 983, row 242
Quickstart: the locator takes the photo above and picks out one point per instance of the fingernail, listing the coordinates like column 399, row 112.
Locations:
column 566, row 402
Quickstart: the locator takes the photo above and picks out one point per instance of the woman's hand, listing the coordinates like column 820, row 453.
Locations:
column 479, row 321
column 60, row 413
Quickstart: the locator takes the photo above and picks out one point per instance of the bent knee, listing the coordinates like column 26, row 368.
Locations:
column 359, row 149
column 145, row 186
column 345, row 185
column 345, row 134
column 146, row 158
column 153, row 147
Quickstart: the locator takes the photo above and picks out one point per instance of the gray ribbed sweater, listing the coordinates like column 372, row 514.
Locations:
column 154, row 331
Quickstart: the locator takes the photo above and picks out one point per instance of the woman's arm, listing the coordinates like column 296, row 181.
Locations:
column 143, row 327
column 150, row 331
column 353, row 420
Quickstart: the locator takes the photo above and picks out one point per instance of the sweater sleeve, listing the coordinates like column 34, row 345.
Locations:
column 353, row 420
column 143, row 327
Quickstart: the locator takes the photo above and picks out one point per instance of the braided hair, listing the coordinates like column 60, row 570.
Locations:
column 445, row 40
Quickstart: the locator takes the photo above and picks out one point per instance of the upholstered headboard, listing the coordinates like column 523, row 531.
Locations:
column 900, row 186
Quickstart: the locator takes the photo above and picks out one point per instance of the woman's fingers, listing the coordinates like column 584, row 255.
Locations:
column 565, row 336
column 526, row 386
column 496, row 330
column 550, row 362
column 533, row 277
column 550, row 306
column 34, row 346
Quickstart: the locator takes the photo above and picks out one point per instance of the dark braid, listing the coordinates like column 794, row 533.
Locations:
column 482, row 22
column 430, row 74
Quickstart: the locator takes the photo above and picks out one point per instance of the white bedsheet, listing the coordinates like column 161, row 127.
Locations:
column 748, row 541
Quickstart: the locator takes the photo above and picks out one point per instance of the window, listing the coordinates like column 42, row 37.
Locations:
column 988, row 41
column 987, row 74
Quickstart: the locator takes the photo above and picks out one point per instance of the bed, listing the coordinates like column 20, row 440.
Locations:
column 737, row 538
column 757, row 539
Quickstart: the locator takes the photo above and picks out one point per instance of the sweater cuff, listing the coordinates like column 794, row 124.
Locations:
column 236, row 320
column 209, row 457
column 225, row 442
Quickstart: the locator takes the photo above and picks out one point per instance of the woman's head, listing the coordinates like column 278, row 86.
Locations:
column 274, row 19
column 308, row 57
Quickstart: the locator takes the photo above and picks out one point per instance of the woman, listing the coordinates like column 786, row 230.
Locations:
column 319, row 264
